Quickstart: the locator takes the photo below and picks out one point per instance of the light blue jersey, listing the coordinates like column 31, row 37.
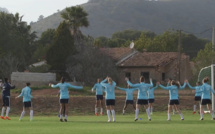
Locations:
column 26, row 93
column 129, row 92
column 109, row 90
column 173, row 91
column 64, row 94
column 206, row 90
column 151, row 92
column 142, row 89
column 197, row 89
column 99, row 89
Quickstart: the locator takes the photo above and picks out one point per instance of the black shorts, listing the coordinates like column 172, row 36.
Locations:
column 6, row 101
column 129, row 101
column 197, row 98
column 205, row 101
column 27, row 104
column 142, row 102
column 110, row 102
column 99, row 97
column 64, row 101
column 151, row 100
column 174, row 102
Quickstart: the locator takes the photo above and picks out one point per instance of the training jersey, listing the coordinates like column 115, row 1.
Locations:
column 129, row 92
column 206, row 89
column 173, row 91
column 6, row 87
column 99, row 89
column 109, row 90
column 142, row 89
column 64, row 94
column 151, row 92
column 26, row 93
column 196, row 88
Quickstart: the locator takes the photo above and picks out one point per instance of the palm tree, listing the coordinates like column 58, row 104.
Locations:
column 76, row 17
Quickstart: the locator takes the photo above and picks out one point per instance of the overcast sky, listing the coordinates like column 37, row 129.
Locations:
column 32, row 9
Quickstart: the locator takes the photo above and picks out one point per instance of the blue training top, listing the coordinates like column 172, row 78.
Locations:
column 142, row 89
column 26, row 93
column 99, row 89
column 109, row 90
column 206, row 90
column 64, row 94
column 173, row 91
column 151, row 92
column 196, row 88
column 129, row 92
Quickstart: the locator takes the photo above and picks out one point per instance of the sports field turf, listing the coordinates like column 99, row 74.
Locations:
column 98, row 125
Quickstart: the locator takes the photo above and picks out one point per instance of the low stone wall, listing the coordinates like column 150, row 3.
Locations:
column 36, row 79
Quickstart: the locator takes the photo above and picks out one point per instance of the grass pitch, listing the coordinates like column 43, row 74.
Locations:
column 124, row 124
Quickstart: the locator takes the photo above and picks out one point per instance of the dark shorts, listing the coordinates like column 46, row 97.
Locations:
column 174, row 102
column 205, row 101
column 64, row 101
column 142, row 102
column 99, row 97
column 6, row 101
column 27, row 104
column 151, row 100
column 197, row 98
column 129, row 101
column 110, row 102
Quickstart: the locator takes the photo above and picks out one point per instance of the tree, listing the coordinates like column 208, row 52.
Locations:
column 61, row 49
column 41, row 17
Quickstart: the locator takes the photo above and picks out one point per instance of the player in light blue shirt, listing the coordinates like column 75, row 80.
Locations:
column 99, row 96
column 109, row 89
column 26, row 94
column 64, row 96
column 129, row 97
column 173, row 97
column 198, row 95
column 206, row 91
column 151, row 98
column 142, row 97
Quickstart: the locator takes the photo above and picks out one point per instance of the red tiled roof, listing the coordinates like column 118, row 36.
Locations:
column 116, row 53
column 151, row 59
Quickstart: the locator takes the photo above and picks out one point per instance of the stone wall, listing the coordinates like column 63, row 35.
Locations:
column 36, row 79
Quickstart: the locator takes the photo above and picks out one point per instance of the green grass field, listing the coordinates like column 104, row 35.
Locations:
column 98, row 125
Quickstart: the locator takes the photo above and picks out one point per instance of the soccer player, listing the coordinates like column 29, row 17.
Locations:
column 151, row 98
column 6, row 87
column 173, row 96
column 64, row 96
column 206, row 97
column 198, row 94
column 109, row 89
column 99, row 97
column 26, row 94
column 129, row 97
column 142, row 98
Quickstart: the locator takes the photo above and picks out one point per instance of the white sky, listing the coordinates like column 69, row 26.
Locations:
column 32, row 9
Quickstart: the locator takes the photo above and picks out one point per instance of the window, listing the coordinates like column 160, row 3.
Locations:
column 128, row 75
column 145, row 75
column 163, row 76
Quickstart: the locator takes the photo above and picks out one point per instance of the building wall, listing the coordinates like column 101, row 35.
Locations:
column 36, row 79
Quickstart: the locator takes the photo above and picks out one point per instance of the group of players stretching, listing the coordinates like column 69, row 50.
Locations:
column 145, row 97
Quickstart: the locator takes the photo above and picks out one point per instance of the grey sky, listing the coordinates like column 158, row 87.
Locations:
column 32, row 9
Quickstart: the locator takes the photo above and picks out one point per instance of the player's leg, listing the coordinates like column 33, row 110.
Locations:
column 201, row 111
column 96, row 107
column 169, row 112
column 211, row 111
column 66, row 111
column 102, row 105
column 146, row 106
column 7, row 101
column 137, row 111
column 113, row 111
column 108, row 111
column 2, row 112
column 23, row 112
column 31, row 113
column 125, row 106
column 61, row 111
column 179, row 111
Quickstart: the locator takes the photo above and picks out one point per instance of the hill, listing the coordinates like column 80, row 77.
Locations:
column 109, row 16
column 3, row 10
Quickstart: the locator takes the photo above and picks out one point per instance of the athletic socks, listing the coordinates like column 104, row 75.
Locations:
column 22, row 114
column 7, row 111
column 148, row 113
column 113, row 114
column 65, row 117
column 123, row 112
column 212, row 113
column 151, row 110
column 101, row 110
column 61, row 116
column 201, row 115
column 194, row 108
column 96, row 110
column 181, row 116
column 108, row 114
column 31, row 114
column 2, row 111
column 137, row 113
column 169, row 116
